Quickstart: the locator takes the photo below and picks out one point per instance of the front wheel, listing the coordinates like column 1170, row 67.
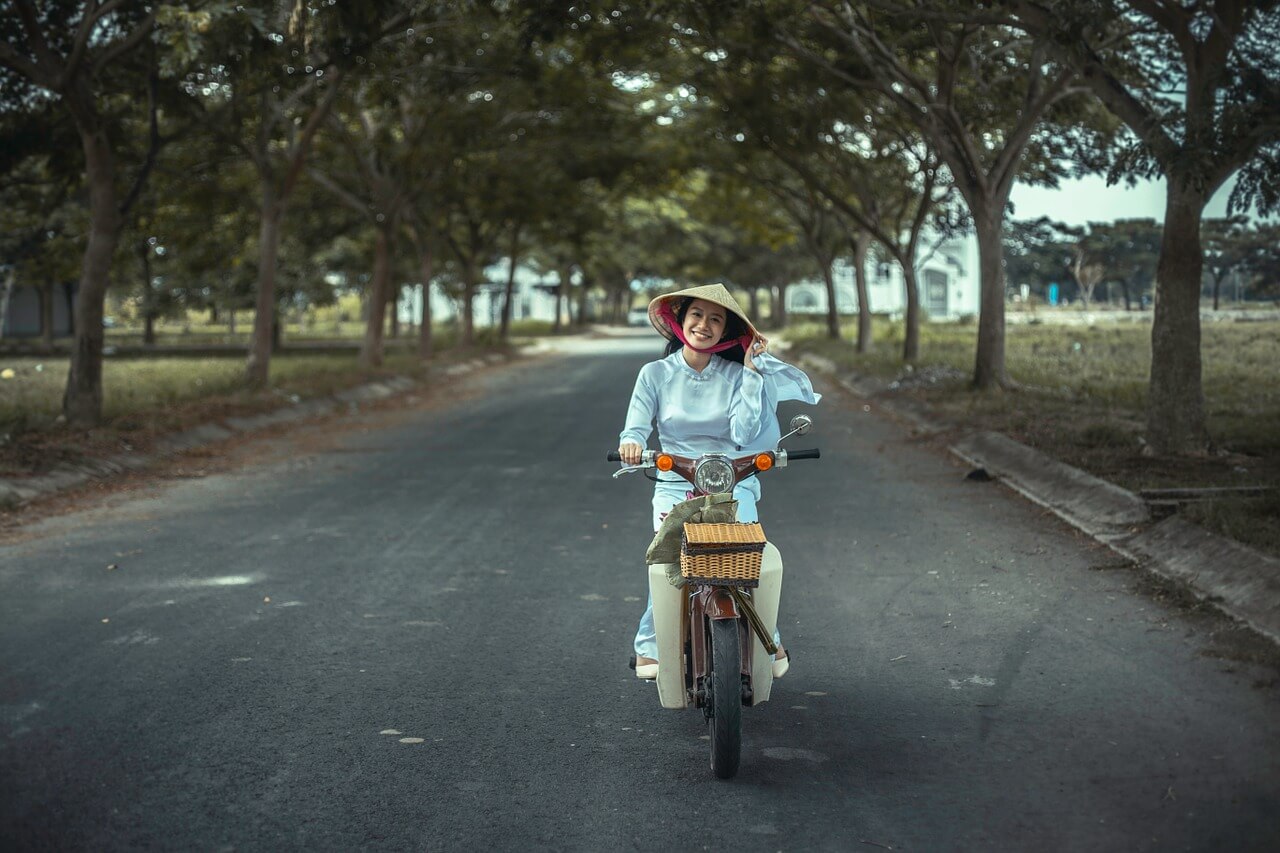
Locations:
column 726, row 698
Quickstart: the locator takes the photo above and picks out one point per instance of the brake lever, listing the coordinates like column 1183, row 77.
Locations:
column 630, row 469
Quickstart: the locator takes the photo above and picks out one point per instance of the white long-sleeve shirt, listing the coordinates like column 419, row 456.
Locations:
column 723, row 409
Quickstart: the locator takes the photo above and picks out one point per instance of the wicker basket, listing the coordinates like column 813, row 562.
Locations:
column 724, row 554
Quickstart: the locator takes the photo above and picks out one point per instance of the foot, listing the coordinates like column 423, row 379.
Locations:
column 646, row 667
column 781, row 662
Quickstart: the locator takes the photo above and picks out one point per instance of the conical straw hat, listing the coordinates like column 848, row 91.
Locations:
column 717, row 293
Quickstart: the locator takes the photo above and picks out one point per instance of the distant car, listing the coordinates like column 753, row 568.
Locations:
column 638, row 317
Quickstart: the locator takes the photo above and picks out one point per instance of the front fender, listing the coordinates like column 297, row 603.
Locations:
column 718, row 603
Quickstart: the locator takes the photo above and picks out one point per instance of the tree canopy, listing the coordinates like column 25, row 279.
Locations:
column 228, row 156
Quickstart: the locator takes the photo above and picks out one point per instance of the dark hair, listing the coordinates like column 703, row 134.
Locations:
column 734, row 328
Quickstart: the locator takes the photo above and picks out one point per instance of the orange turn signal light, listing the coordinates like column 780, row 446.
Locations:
column 664, row 462
column 764, row 462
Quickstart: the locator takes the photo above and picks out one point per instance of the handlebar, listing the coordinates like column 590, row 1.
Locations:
column 614, row 456
column 812, row 453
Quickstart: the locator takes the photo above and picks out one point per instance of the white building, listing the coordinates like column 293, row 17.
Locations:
column 946, row 275
column 532, row 298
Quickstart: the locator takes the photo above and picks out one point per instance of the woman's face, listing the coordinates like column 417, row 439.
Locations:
column 704, row 324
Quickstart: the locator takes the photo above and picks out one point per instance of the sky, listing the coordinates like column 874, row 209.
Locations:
column 1089, row 199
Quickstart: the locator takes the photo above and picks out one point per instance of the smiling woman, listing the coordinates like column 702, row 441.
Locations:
column 716, row 391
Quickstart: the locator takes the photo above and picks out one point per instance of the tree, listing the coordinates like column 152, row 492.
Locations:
column 40, row 223
column 1127, row 249
column 90, row 58
column 265, row 80
column 1228, row 245
column 1198, row 85
column 848, row 144
column 1263, row 263
column 1085, row 267
column 995, row 107
column 375, row 136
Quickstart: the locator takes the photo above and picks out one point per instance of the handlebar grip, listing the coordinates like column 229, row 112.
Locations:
column 812, row 453
column 614, row 456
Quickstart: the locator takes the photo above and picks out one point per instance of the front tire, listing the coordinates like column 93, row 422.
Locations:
column 726, row 698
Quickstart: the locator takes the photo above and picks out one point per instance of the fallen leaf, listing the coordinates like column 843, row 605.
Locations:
column 266, row 600
column 112, row 567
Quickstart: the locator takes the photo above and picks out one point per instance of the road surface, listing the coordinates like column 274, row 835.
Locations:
column 408, row 630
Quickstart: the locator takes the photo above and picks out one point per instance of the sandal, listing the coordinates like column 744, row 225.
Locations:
column 646, row 671
column 781, row 665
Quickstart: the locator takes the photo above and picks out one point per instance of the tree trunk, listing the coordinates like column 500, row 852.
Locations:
column 509, row 292
column 467, row 336
column 833, row 313
column 424, row 329
column 371, row 349
column 393, row 309
column 1217, row 289
column 82, row 400
column 213, row 315
column 861, row 243
column 911, row 322
column 258, row 368
column 1175, row 403
column 148, row 296
column 231, row 321
column 583, row 303
column 5, row 298
column 778, row 316
column 46, row 315
column 562, row 295
column 989, row 367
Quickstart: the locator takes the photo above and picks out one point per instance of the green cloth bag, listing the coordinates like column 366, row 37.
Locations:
column 665, row 547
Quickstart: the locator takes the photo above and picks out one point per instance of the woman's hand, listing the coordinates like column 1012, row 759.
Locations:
column 630, row 452
column 758, row 347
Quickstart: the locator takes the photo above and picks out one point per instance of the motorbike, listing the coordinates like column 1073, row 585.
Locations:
column 715, row 633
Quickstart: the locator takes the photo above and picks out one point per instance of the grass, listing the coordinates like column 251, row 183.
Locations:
column 1081, row 397
column 149, row 387
column 147, row 395
column 170, row 332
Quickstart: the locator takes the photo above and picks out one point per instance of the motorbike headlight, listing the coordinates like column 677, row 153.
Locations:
column 713, row 475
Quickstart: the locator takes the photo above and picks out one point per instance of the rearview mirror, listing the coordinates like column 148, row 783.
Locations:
column 800, row 425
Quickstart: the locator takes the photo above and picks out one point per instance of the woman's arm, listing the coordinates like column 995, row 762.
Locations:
column 639, row 422
column 789, row 383
column 755, row 403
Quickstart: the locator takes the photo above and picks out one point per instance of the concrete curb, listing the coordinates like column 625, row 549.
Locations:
column 15, row 492
column 1238, row 580
column 1095, row 506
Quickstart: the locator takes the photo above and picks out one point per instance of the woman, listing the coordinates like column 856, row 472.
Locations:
column 716, row 391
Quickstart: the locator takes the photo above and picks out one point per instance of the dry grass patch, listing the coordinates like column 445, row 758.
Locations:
column 144, row 398
column 1081, row 398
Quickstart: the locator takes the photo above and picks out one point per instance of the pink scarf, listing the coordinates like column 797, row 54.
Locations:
column 669, row 317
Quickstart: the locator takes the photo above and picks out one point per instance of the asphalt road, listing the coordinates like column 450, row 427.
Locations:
column 409, row 631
